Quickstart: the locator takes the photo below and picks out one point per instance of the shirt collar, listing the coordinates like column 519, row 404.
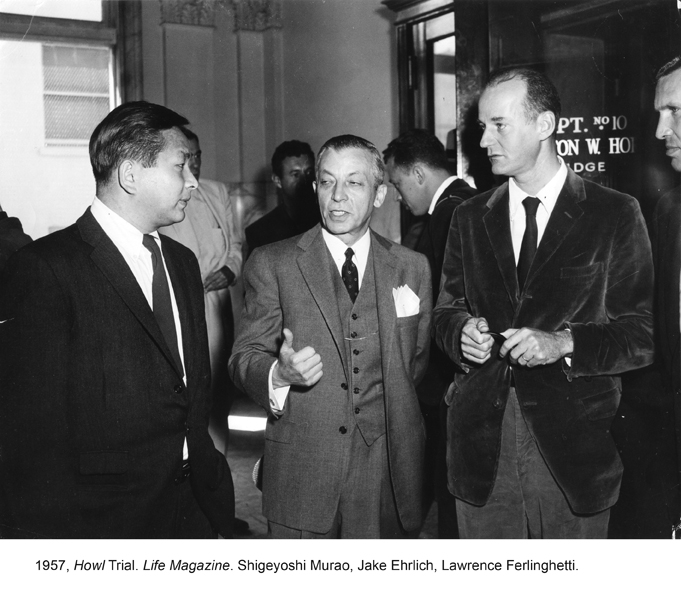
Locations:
column 337, row 247
column 123, row 234
column 440, row 190
column 547, row 195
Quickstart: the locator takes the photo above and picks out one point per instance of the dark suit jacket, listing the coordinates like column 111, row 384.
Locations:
column 431, row 243
column 12, row 237
column 274, row 226
column 666, row 240
column 288, row 284
column 93, row 411
column 592, row 273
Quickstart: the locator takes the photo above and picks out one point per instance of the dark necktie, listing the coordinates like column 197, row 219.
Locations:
column 350, row 276
column 163, row 309
column 528, row 247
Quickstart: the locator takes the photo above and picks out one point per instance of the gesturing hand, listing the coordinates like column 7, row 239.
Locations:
column 302, row 368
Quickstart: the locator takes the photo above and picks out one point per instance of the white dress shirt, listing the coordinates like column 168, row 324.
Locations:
column 548, row 195
column 128, row 240
column 337, row 250
column 440, row 190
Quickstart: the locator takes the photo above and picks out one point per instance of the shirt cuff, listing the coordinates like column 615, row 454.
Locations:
column 277, row 395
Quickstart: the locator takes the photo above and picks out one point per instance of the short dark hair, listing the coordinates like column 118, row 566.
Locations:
column 133, row 130
column 348, row 141
column 541, row 96
column 290, row 148
column 417, row 146
column 671, row 66
column 188, row 133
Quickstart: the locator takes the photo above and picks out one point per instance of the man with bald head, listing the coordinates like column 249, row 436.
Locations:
column 546, row 299
column 334, row 338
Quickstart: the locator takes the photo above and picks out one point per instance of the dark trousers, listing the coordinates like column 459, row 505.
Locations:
column 526, row 502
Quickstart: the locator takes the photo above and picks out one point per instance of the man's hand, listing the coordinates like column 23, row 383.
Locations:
column 219, row 279
column 476, row 344
column 531, row 347
column 302, row 368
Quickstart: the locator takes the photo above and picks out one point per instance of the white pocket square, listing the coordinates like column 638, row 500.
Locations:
column 406, row 301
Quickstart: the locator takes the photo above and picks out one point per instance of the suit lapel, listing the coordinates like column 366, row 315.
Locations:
column 498, row 227
column 313, row 263
column 110, row 261
column 386, row 279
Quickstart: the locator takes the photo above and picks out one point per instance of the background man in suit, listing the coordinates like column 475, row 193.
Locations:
column 417, row 166
column 666, row 239
column 334, row 338
column 104, row 371
column 296, row 211
column 529, row 451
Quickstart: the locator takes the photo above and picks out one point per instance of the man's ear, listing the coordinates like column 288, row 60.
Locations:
column 419, row 173
column 380, row 196
column 276, row 180
column 546, row 123
column 127, row 176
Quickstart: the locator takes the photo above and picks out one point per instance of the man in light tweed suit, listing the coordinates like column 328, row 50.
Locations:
column 334, row 337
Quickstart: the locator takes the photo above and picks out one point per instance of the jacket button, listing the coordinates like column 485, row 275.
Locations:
column 355, row 352
column 354, row 317
column 357, row 410
column 344, row 386
column 343, row 430
column 353, row 334
column 356, row 390
column 497, row 403
column 179, row 389
column 355, row 370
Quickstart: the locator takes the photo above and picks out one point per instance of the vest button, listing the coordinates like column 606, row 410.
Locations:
column 355, row 352
column 353, row 334
column 355, row 370
column 354, row 317
column 356, row 390
column 344, row 386
column 343, row 430
column 357, row 410
column 178, row 389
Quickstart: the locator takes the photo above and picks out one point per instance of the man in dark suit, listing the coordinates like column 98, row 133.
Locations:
column 104, row 370
column 296, row 210
column 417, row 166
column 12, row 237
column 666, row 240
column 546, row 298
column 334, row 338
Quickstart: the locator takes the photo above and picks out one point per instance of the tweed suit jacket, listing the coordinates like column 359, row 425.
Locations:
column 289, row 284
column 593, row 274
column 93, row 411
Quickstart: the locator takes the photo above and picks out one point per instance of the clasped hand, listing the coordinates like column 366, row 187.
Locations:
column 525, row 347
column 302, row 368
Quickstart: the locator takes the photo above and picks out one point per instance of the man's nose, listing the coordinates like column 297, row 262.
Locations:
column 662, row 128
column 486, row 139
column 339, row 192
column 190, row 181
